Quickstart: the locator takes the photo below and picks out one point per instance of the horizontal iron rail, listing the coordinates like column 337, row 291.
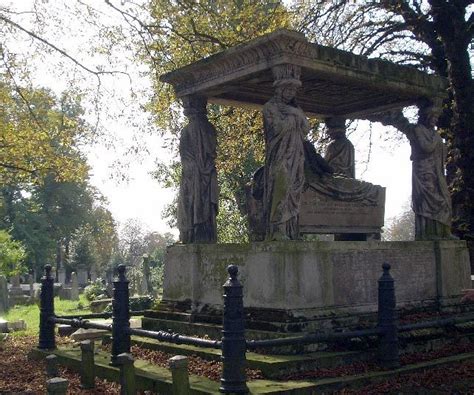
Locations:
column 435, row 323
column 78, row 323
column 311, row 338
column 100, row 315
column 175, row 338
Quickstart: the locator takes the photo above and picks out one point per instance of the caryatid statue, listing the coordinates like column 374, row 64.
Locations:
column 285, row 126
column 198, row 192
column 340, row 151
column 431, row 201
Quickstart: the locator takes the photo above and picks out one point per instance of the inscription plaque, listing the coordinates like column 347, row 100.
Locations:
column 323, row 214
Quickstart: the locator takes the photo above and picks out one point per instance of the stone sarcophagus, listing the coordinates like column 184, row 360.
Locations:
column 323, row 213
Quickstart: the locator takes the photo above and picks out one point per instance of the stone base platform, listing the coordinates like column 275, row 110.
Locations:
column 296, row 285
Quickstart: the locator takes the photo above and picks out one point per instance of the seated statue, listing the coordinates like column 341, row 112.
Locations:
column 323, row 188
column 340, row 152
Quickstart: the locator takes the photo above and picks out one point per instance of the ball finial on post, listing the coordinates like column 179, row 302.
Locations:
column 233, row 271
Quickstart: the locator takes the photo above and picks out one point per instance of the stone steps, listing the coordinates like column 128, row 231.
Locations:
column 272, row 366
column 158, row 380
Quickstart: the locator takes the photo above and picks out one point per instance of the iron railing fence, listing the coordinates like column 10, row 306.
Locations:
column 233, row 343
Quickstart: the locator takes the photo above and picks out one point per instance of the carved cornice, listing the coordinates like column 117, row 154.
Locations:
column 284, row 46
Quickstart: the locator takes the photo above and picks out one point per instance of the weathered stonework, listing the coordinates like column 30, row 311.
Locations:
column 322, row 214
column 335, row 82
column 311, row 279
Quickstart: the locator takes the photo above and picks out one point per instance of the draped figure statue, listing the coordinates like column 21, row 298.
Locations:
column 431, row 201
column 340, row 151
column 198, row 193
column 285, row 127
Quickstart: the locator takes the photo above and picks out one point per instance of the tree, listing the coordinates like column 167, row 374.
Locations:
column 401, row 227
column 104, row 231
column 433, row 35
column 39, row 135
column 84, row 249
column 28, row 224
column 12, row 255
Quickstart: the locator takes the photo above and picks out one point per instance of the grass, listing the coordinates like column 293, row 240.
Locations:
column 30, row 313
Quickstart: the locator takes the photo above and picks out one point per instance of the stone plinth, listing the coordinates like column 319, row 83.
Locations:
column 316, row 279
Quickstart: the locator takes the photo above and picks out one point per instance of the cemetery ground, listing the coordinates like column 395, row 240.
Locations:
column 19, row 374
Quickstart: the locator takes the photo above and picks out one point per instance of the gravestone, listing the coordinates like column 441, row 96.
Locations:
column 62, row 275
column 81, row 275
column 16, row 292
column 70, row 292
column 32, row 286
column 93, row 274
column 3, row 294
column 146, row 286
column 74, row 287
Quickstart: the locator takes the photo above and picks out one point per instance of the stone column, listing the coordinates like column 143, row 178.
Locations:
column 198, row 193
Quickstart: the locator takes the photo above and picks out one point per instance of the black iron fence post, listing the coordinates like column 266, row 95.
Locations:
column 120, row 317
column 46, row 327
column 233, row 378
column 387, row 320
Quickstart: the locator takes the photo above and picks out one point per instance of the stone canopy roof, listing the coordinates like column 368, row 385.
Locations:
column 335, row 82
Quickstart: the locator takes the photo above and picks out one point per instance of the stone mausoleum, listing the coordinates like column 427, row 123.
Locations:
column 290, row 284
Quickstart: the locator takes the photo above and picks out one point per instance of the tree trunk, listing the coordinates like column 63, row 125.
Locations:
column 449, row 20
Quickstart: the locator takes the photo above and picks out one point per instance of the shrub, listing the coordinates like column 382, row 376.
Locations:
column 136, row 303
column 94, row 289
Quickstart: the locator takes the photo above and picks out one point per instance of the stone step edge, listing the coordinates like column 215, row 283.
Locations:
column 271, row 365
column 161, row 381
column 216, row 327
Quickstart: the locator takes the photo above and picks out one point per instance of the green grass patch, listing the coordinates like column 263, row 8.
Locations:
column 30, row 313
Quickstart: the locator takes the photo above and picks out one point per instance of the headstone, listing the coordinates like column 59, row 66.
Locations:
column 3, row 326
column 19, row 325
column 62, row 275
column 81, row 275
column 16, row 293
column 74, row 287
column 32, row 287
column 147, row 288
column 3, row 294
column 93, row 274
column 144, row 285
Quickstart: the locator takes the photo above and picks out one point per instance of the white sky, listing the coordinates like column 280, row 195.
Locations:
column 141, row 197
